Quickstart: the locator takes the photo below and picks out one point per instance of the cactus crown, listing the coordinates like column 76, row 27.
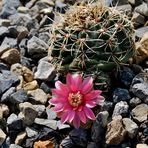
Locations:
column 90, row 36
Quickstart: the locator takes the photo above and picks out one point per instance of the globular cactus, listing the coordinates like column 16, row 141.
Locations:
column 90, row 37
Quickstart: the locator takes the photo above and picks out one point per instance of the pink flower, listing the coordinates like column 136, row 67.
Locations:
column 73, row 101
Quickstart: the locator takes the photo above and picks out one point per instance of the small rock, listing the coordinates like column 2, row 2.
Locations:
column 121, row 108
column 11, row 56
column 50, row 113
column 31, row 132
column 121, row 94
column 9, row 43
column 131, row 127
column 43, row 144
column 79, row 137
column 7, row 80
column 3, row 32
column 46, row 122
column 28, row 113
column 5, row 22
column 92, row 145
column 38, row 95
column 37, row 47
column 140, row 112
column 67, row 143
column 141, row 146
column 22, row 9
column 4, row 110
column 126, row 76
column 16, row 69
column 40, row 109
column 135, row 2
column 2, row 137
column 98, row 128
column 60, row 6
column 3, row 67
column 27, row 74
column 45, row 71
column 62, row 126
column 18, row 97
column 15, row 146
column 45, row 21
column 142, row 9
column 115, row 131
column 135, row 101
column 139, row 86
column 107, row 106
column 30, row 85
column 23, row 47
column 45, row 87
column 141, row 31
column 20, row 138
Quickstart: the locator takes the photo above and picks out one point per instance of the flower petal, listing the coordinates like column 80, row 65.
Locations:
column 65, row 117
column 87, row 85
column 89, row 113
column 76, row 121
column 74, row 82
column 92, row 95
column 62, row 87
column 90, row 104
column 58, row 93
column 72, row 115
column 82, row 116
column 58, row 108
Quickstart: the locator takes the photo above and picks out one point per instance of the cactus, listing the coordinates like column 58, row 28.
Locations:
column 89, row 38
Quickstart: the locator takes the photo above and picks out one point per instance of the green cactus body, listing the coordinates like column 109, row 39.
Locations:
column 91, row 37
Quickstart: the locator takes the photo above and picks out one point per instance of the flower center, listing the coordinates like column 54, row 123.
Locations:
column 75, row 99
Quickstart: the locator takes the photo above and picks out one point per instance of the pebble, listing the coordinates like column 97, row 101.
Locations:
column 62, row 126
column 22, row 9
column 142, row 9
column 121, row 108
column 3, row 32
column 9, row 43
column 27, row 74
column 141, row 146
column 31, row 132
column 44, row 144
column 140, row 112
column 5, row 22
column 27, row 113
column 2, row 137
column 4, row 110
column 46, row 122
column 19, row 96
column 37, row 47
column 30, row 85
column 7, row 80
column 79, row 137
column 141, row 31
column 131, row 127
column 20, row 138
column 38, row 95
column 115, row 133
column 67, row 143
column 11, row 56
column 45, row 71
column 134, row 102
column 15, row 146
column 135, row 2
column 50, row 113
column 40, row 109
column 121, row 94
column 98, row 128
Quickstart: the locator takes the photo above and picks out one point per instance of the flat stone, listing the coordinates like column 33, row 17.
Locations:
column 98, row 128
column 4, row 110
column 37, row 47
column 3, row 32
column 45, row 71
column 2, row 137
column 38, row 95
column 44, row 144
column 135, row 2
column 40, row 109
column 142, row 9
column 50, row 113
column 19, row 96
column 115, row 133
column 5, row 22
column 135, row 101
column 20, row 138
column 9, row 43
column 140, row 112
column 30, row 85
column 11, row 56
column 121, row 108
column 31, row 132
column 46, row 122
column 28, row 113
column 141, row 31
column 27, row 74
column 15, row 146
column 67, row 142
column 141, row 146
column 22, row 9
column 7, row 80
column 131, row 127
column 120, row 94
column 16, row 69
column 62, row 126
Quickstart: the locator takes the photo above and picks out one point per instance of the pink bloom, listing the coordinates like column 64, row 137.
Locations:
column 73, row 101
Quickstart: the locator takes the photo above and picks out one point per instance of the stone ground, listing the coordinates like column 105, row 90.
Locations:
column 26, row 79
